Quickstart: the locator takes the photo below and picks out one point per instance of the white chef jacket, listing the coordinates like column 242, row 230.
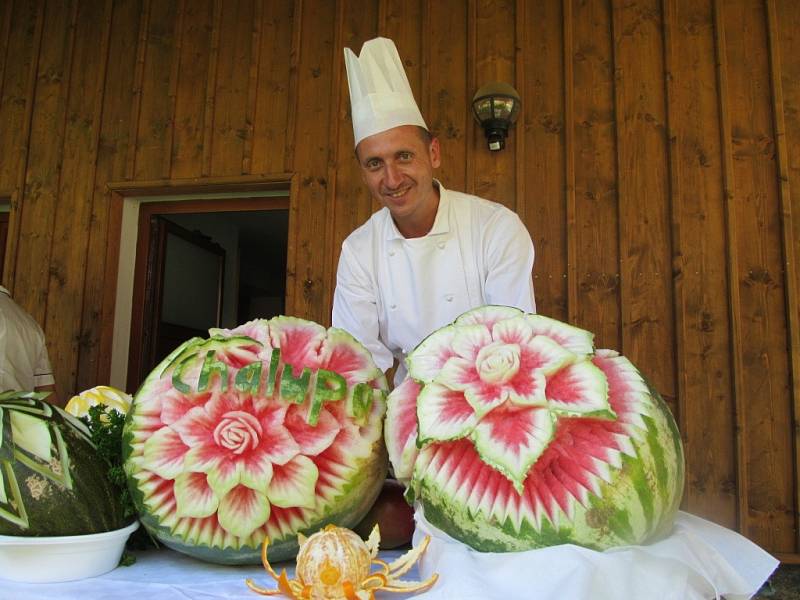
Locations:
column 24, row 363
column 391, row 292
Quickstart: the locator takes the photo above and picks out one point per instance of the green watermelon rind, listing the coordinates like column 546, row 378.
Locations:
column 603, row 524
column 92, row 504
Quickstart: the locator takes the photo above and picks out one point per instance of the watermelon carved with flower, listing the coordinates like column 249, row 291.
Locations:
column 263, row 431
column 514, row 433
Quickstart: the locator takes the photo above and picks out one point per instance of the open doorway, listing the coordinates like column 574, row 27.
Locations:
column 202, row 264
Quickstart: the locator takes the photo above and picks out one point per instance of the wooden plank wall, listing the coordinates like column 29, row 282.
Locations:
column 656, row 164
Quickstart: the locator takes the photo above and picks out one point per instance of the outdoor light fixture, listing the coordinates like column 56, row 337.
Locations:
column 496, row 106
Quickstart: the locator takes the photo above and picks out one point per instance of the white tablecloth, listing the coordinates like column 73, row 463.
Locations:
column 164, row 575
column 699, row 560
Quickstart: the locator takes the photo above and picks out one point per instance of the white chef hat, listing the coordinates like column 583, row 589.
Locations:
column 380, row 95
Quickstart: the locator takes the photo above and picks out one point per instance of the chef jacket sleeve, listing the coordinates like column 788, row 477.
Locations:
column 509, row 259
column 355, row 307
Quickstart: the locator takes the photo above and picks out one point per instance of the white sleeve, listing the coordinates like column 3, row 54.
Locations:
column 355, row 307
column 509, row 260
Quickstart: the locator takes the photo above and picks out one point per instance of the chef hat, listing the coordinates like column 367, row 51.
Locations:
column 380, row 95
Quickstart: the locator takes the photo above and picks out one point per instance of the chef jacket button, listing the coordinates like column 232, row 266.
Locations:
column 441, row 245
column 391, row 252
column 393, row 306
column 449, row 297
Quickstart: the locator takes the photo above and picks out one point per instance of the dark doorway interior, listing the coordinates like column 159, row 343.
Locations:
column 203, row 269
column 255, row 244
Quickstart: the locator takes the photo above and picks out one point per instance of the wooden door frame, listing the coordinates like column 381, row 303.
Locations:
column 120, row 191
column 149, row 277
column 5, row 199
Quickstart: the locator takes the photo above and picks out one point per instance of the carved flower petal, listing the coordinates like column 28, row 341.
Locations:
column 175, row 405
column 293, row 483
column 196, row 427
column 343, row 354
column 164, row 453
column 469, row 339
column 427, row 359
column 201, row 459
column 401, row 428
column 542, row 353
column 443, row 414
column 513, row 331
column 257, row 471
column 579, row 389
column 528, row 389
column 487, row 397
column 257, row 329
column 193, row 496
column 242, row 511
column 225, row 476
column 572, row 338
column 488, row 315
column 312, row 439
column 511, row 440
column 458, row 374
column 300, row 341
column 278, row 445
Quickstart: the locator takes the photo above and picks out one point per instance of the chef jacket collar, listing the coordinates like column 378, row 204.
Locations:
column 441, row 223
column 5, row 291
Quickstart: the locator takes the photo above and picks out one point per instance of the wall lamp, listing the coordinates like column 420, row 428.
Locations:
column 496, row 106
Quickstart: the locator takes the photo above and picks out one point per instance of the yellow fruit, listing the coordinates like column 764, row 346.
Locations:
column 331, row 557
column 78, row 406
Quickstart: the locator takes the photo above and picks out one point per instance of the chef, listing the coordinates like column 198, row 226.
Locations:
column 430, row 253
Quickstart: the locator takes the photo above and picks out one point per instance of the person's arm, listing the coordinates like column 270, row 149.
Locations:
column 509, row 258
column 355, row 307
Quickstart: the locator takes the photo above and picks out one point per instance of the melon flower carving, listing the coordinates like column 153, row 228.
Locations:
column 498, row 378
column 513, row 432
column 257, row 432
column 237, row 457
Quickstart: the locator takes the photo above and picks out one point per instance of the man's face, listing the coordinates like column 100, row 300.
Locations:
column 397, row 168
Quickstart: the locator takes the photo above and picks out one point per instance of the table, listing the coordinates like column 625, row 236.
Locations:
column 164, row 574
column 699, row 560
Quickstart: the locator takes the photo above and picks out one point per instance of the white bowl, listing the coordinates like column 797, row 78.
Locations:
column 62, row 558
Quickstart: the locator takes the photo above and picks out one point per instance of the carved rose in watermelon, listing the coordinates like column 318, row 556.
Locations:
column 270, row 429
column 52, row 481
column 514, row 433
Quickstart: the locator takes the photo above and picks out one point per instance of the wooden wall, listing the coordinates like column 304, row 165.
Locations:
column 656, row 165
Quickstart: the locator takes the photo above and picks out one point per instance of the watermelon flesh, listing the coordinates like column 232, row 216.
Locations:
column 266, row 430
column 514, row 433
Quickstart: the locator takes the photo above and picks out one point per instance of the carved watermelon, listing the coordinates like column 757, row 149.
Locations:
column 270, row 429
column 514, row 434
column 52, row 482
